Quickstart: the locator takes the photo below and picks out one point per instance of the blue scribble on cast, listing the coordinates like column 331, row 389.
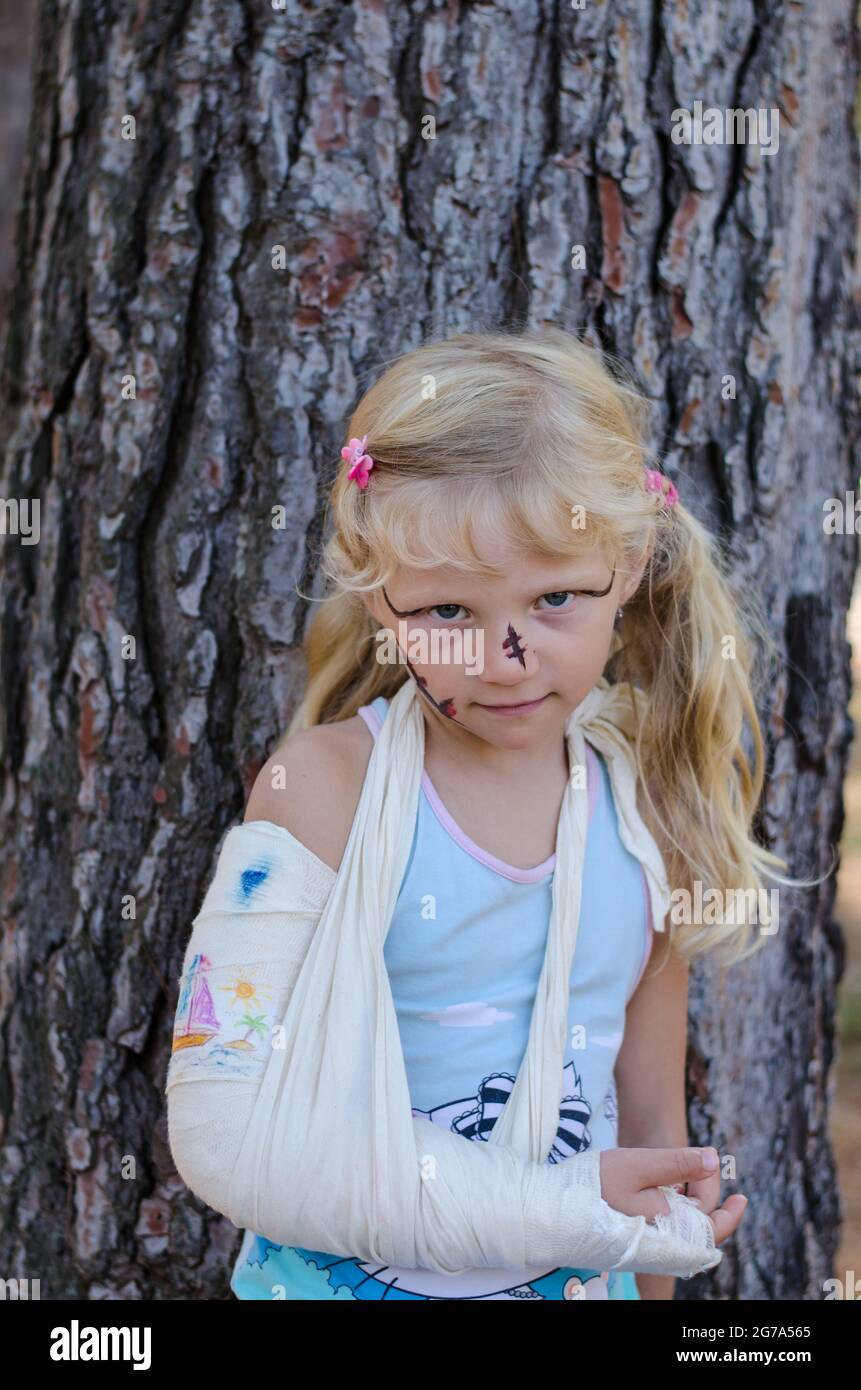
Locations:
column 250, row 880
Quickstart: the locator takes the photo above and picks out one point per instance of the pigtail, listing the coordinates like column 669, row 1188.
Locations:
column 701, row 654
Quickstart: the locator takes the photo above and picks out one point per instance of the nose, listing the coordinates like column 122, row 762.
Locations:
column 509, row 657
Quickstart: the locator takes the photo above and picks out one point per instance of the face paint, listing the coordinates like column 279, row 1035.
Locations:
column 599, row 593
column 406, row 612
column 446, row 707
column 512, row 642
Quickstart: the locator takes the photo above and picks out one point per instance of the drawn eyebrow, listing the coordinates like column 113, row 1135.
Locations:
column 405, row 612
column 594, row 593
column 411, row 612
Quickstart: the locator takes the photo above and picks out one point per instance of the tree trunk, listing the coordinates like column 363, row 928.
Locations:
column 17, row 19
column 149, row 641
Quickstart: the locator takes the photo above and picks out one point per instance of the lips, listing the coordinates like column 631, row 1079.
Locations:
column 519, row 704
column 522, row 707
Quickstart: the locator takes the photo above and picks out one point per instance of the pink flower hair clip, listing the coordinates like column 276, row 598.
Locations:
column 360, row 462
column 658, row 482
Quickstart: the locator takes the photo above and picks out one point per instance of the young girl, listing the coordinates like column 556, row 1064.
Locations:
column 500, row 542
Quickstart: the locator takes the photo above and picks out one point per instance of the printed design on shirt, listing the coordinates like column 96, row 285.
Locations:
column 260, row 1249
column 272, row 1268
column 281, row 1271
column 572, row 1135
column 370, row 1281
column 246, row 1023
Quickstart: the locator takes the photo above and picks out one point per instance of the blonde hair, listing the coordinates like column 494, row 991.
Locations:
column 522, row 429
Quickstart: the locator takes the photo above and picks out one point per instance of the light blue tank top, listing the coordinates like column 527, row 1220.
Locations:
column 464, row 953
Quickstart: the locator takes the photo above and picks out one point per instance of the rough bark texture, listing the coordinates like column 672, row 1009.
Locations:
column 153, row 256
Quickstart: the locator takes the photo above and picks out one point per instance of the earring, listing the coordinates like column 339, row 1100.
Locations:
column 619, row 612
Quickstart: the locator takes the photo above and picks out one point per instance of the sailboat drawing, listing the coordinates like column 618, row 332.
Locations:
column 196, row 1020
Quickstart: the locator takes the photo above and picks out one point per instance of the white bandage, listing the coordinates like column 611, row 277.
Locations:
column 288, row 1104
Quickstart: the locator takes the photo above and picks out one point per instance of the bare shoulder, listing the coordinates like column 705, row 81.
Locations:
column 311, row 785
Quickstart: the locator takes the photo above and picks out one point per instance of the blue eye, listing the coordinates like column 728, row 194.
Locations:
column 561, row 594
column 447, row 612
column 438, row 607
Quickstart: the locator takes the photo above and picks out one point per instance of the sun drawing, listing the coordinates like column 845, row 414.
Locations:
column 246, row 992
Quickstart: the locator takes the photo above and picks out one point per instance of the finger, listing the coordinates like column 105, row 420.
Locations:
column 650, row 1202
column 663, row 1167
column 686, row 1189
column 706, row 1191
column 726, row 1219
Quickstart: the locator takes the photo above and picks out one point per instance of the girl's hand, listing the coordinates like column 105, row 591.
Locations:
column 630, row 1179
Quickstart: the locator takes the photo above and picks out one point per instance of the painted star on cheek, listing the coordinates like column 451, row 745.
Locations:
column 512, row 643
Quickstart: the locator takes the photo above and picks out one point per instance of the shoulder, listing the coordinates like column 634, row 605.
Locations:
column 311, row 785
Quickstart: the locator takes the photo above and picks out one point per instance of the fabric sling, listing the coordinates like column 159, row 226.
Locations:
column 332, row 1158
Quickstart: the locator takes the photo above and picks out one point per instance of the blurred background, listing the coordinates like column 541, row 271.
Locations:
column 16, row 51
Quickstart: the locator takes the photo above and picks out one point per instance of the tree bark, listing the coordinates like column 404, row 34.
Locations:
column 17, row 19
column 152, row 258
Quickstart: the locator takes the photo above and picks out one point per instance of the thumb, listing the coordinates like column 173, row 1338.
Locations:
column 664, row 1167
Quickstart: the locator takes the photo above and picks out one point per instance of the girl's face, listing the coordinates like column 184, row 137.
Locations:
column 508, row 659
